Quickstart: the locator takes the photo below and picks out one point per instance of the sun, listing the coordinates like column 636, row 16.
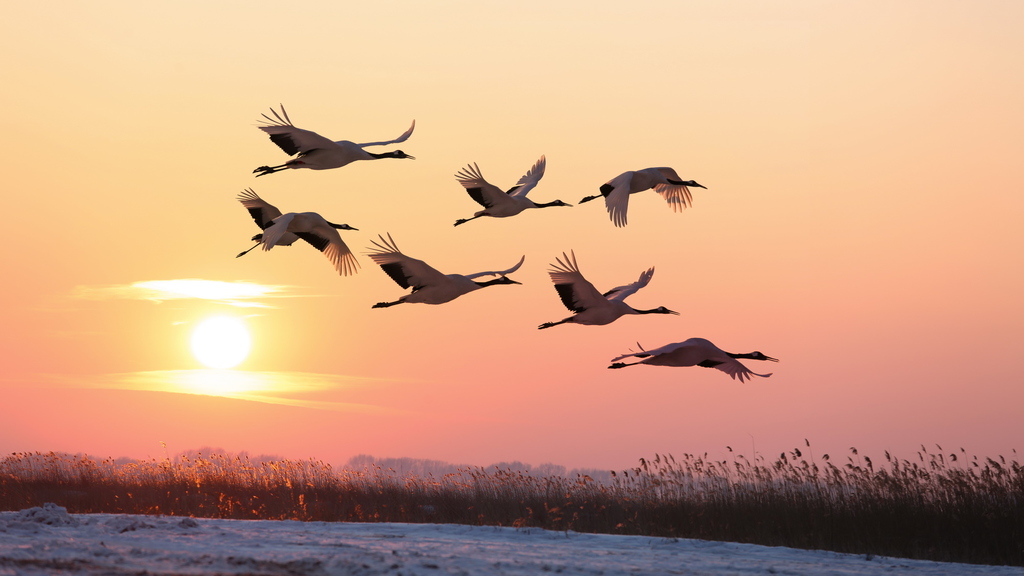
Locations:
column 221, row 342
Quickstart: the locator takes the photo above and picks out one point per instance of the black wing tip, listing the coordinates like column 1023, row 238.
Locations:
column 286, row 143
column 565, row 292
column 314, row 240
column 394, row 270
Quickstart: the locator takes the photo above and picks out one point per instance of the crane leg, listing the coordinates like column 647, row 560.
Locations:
column 385, row 304
column 464, row 220
column 550, row 324
column 264, row 170
column 240, row 254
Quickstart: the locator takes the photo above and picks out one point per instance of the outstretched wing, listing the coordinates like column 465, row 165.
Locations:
column 677, row 195
column 483, row 192
column 405, row 136
column 620, row 293
column 278, row 228
column 575, row 291
column 666, row 349
column 498, row 272
column 262, row 212
column 289, row 138
column 405, row 271
column 675, row 192
column 530, row 179
column 616, row 197
column 733, row 368
column 326, row 239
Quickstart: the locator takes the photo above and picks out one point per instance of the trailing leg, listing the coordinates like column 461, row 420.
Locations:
column 264, row 170
column 386, row 304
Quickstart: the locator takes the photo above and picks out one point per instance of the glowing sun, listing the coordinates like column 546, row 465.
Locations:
column 221, row 342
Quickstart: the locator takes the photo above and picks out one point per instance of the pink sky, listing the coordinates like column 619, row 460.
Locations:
column 862, row 223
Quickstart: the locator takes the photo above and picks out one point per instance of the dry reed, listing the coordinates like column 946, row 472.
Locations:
column 940, row 506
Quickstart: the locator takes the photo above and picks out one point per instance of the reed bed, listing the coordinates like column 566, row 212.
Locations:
column 938, row 505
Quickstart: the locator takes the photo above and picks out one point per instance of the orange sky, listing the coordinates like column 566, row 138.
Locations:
column 862, row 223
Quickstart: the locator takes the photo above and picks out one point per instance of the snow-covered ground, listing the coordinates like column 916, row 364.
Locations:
column 48, row 540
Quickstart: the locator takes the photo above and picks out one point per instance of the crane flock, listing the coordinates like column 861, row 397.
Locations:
column 429, row 286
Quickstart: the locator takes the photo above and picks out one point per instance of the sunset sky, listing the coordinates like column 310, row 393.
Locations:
column 863, row 222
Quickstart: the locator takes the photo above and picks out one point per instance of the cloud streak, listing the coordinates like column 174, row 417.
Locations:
column 282, row 388
column 239, row 294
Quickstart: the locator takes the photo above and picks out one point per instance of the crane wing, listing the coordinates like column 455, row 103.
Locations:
column 530, row 179
column 405, row 271
column 653, row 352
column 616, row 197
column 289, row 138
column 405, row 136
column 733, row 368
column 262, row 212
column 677, row 195
column 327, row 240
column 498, row 272
column 278, row 228
column 483, row 192
column 620, row 293
column 575, row 291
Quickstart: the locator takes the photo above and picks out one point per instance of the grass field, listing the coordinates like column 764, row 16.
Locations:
column 938, row 505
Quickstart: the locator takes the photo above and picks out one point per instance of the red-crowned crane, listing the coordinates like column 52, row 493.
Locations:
column 696, row 352
column 590, row 307
column 498, row 204
column 665, row 181
column 284, row 229
column 315, row 152
column 428, row 285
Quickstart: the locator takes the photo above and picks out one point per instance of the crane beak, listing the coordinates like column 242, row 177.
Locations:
column 673, row 312
column 771, row 359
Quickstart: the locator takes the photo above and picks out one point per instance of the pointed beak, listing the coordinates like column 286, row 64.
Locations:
column 513, row 281
column 673, row 312
column 410, row 157
column 699, row 186
column 771, row 359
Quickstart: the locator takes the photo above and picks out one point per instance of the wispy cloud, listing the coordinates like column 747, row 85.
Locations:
column 283, row 388
column 240, row 294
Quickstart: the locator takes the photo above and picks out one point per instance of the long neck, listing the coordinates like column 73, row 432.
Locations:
column 546, row 204
column 382, row 154
column 651, row 311
column 748, row 355
column 491, row 282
